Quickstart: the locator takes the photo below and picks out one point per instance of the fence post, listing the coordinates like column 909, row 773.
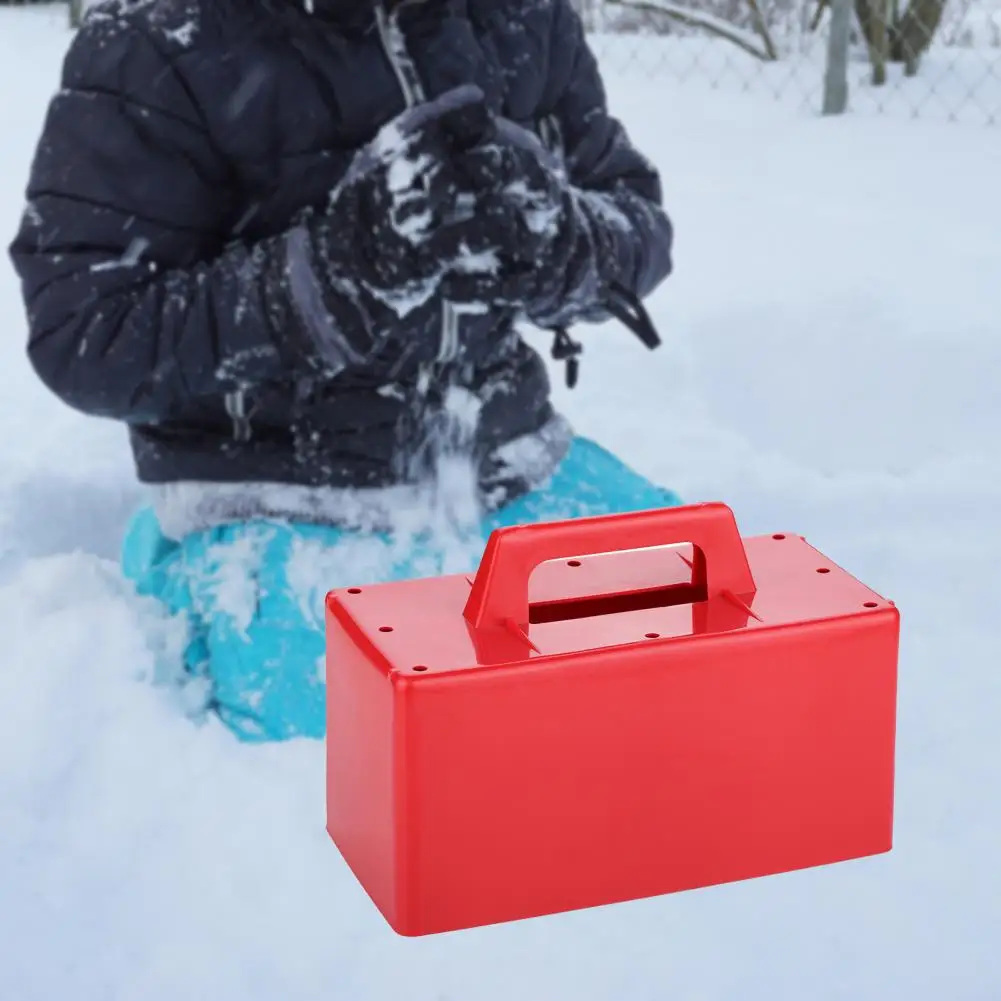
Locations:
column 836, row 68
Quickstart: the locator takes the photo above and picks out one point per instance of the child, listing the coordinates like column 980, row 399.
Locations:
column 286, row 243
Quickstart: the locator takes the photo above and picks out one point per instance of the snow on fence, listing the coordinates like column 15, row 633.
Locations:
column 920, row 58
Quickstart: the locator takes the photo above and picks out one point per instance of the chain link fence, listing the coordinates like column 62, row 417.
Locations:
column 929, row 59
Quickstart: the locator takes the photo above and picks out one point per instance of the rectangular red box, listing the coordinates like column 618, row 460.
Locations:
column 627, row 721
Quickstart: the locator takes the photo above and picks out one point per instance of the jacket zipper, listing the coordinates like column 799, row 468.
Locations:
column 394, row 45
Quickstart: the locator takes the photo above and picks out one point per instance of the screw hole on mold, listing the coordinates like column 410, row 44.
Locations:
column 870, row 604
column 652, row 636
column 779, row 537
column 420, row 667
column 385, row 629
column 823, row 570
column 573, row 563
column 354, row 590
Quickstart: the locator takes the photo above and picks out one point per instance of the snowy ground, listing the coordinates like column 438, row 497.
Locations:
column 832, row 368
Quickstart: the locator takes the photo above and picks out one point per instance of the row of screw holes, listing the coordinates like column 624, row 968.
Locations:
column 653, row 636
column 865, row 604
column 387, row 629
column 577, row 563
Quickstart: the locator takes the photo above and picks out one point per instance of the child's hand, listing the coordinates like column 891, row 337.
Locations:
column 400, row 212
column 526, row 211
column 396, row 225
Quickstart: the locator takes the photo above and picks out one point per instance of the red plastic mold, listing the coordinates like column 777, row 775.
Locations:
column 624, row 722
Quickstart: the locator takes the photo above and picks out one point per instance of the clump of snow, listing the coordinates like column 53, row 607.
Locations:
column 176, row 21
column 183, row 36
column 116, row 10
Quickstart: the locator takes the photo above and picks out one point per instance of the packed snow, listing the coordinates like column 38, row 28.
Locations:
column 831, row 367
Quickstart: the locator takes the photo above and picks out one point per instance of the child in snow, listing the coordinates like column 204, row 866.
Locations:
column 286, row 243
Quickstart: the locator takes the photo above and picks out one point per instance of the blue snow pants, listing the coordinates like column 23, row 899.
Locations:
column 252, row 593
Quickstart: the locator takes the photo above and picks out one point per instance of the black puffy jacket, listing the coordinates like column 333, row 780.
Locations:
column 186, row 133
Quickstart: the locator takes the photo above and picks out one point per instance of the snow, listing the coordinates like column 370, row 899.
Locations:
column 831, row 367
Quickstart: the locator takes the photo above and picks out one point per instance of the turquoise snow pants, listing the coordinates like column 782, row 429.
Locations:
column 252, row 593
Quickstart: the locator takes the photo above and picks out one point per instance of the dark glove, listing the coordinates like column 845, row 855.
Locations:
column 525, row 213
column 396, row 225
column 559, row 249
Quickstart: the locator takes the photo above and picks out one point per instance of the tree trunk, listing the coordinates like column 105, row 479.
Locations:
column 895, row 37
column 914, row 32
column 879, row 45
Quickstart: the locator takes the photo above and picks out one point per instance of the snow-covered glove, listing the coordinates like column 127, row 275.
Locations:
column 562, row 251
column 527, row 205
column 396, row 224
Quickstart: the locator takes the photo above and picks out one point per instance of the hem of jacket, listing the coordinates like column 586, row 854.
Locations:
column 524, row 464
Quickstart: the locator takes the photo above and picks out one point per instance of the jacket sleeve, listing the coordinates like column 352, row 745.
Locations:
column 619, row 188
column 135, row 300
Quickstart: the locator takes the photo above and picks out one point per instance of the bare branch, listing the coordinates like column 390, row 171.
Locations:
column 818, row 14
column 761, row 27
column 746, row 40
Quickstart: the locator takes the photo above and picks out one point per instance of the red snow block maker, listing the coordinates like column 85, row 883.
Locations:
column 624, row 722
